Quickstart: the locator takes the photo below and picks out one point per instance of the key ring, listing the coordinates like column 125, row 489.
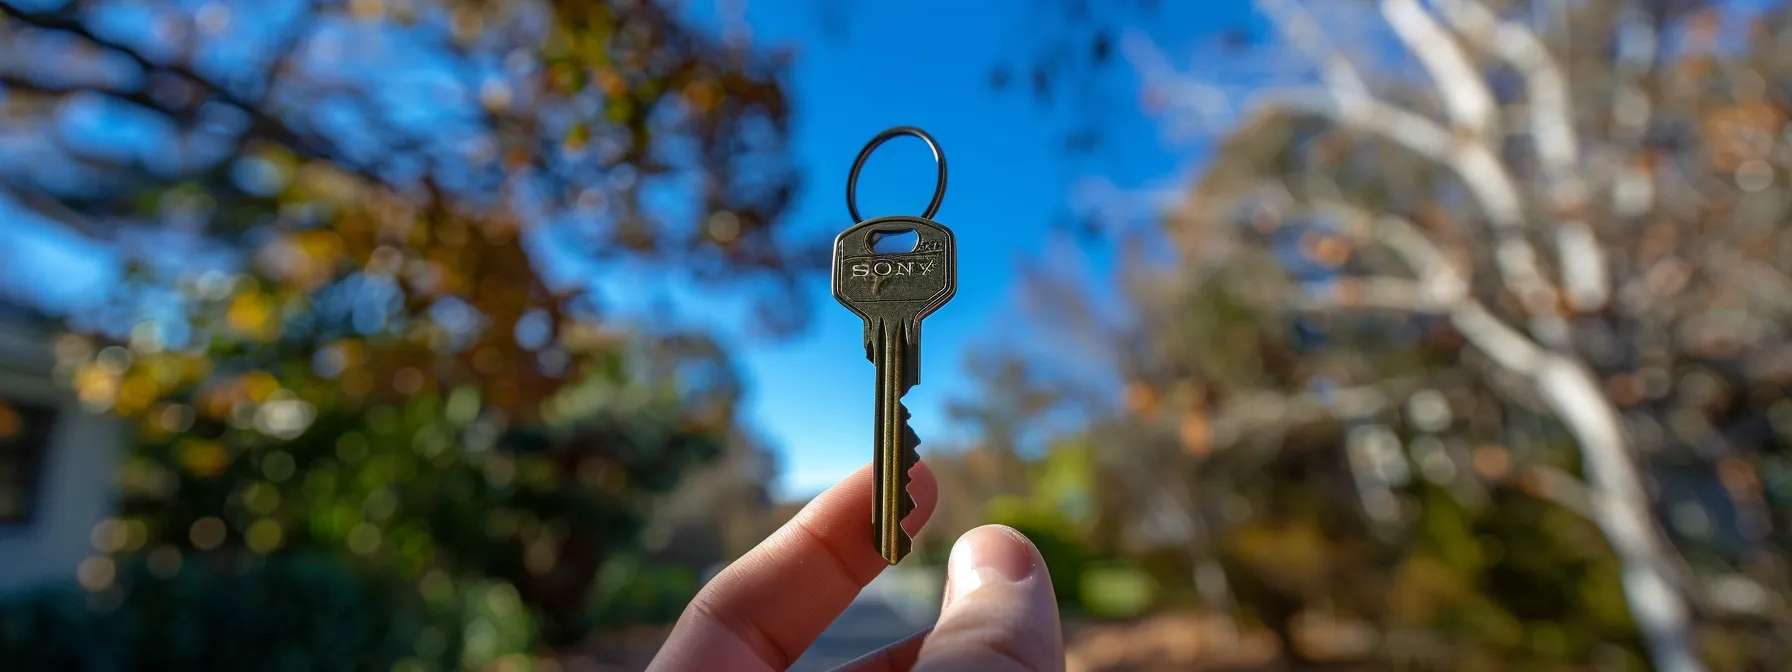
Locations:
column 939, row 159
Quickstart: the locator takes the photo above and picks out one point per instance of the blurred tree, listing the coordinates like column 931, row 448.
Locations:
column 1486, row 284
column 612, row 127
column 1005, row 421
column 357, row 321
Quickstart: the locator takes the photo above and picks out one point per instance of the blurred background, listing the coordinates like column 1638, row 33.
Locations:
column 477, row 334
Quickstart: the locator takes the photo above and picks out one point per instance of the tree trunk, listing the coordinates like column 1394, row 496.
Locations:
column 1622, row 511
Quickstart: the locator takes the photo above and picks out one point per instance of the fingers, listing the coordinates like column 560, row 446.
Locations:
column 1000, row 614
column 762, row 611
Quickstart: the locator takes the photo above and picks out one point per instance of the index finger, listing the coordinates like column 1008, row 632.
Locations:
column 764, row 610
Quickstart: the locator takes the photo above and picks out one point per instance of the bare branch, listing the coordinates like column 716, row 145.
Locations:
column 1254, row 414
column 262, row 123
column 1444, row 285
column 1624, row 511
column 1570, row 391
column 1464, row 91
column 1585, row 279
column 1473, row 161
column 1306, row 34
column 55, row 211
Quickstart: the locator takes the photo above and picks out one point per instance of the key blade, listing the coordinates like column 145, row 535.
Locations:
column 896, row 444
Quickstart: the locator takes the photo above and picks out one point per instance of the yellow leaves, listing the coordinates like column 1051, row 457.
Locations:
column 203, row 459
column 564, row 78
column 136, row 393
column 257, row 386
column 264, row 536
column 328, row 182
column 251, row 315
column 1294, row 556
column 577, row 138
column 619, row 110
column 1423, row 586
column 96, row 386
column 308, row 259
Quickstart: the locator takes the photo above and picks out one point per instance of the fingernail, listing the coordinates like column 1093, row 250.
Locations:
column 988, row 555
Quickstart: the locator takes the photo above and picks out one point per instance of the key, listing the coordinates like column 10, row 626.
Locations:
column 892, row 292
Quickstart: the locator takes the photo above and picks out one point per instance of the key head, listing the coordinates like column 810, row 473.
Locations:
column 906, row 285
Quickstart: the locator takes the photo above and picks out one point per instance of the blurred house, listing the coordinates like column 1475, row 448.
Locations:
column 56, row 460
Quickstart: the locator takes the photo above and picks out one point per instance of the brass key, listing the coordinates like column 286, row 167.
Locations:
column 892, row 292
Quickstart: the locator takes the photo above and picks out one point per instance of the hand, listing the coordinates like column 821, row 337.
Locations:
column 764, row 610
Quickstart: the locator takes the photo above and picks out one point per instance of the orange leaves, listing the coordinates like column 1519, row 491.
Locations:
column 1187, row 405
column 1492, row 462
column 1740, row 133
column 1195, row 433
column 610, row 81
column 1330, row 251
column 1141, row 399
column 703, row 94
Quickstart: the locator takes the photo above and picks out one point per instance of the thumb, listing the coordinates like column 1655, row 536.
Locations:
column 999, row 612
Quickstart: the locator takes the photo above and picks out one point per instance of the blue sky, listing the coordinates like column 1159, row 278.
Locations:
column 926, row 63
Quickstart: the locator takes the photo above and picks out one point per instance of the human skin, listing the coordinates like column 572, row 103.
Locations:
column 763, row 611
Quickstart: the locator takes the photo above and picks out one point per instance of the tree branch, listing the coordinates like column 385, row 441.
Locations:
column 261, row 122
column 1573, row 395
column 1465, row 93
column 1585, row 279
column 1473, row 161
column 1258, row 412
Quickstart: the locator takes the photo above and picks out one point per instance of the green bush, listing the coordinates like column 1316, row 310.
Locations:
column 286, row 612
column 1117, row 590
column 630, row 590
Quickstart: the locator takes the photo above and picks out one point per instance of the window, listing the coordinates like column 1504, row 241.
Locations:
column 24, row 442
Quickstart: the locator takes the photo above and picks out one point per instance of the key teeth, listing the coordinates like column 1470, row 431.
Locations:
column 911, row 455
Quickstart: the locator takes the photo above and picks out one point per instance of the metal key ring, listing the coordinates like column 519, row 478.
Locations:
column 939, row 159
